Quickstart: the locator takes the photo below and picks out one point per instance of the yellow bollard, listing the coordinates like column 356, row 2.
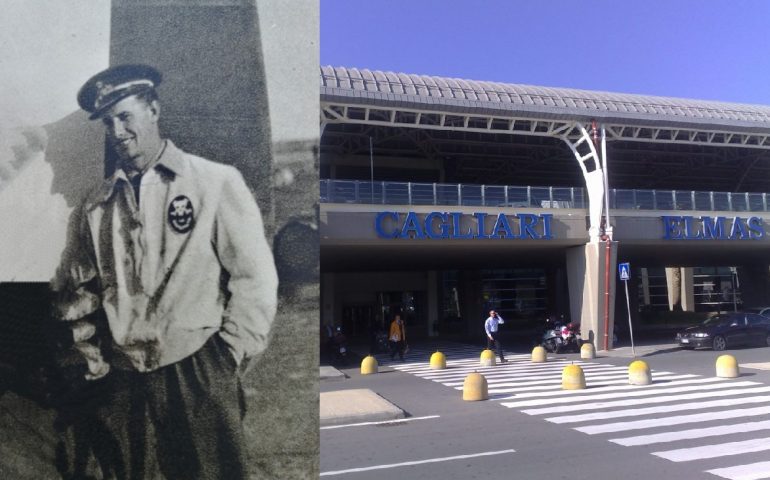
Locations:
column 587, row 351
column 727, row 367
column 475, row 388
column 538, row 355
column 488, row 358
column 639, row 373
column 438, row 361
column 368, row 365
column 572, row 378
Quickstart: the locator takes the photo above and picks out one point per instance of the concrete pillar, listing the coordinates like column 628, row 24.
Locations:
column 433, row 303
column 673, row 286
column 688, row 289
column 586, row 277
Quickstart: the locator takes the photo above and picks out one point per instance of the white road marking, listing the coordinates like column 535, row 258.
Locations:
column 416, row 462
column 658, row 383
column 676, row 420
column 648, row 400
column 692, row 433
column 635, row 412
column 596, row 383
column 751, row 471
column 587, row 396
column 362, row 424
column 717, row 450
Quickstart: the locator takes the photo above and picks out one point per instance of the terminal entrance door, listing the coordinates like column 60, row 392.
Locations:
column 410, row 305
column 357, row 320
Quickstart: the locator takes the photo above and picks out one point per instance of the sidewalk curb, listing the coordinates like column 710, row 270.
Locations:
column 341, row 407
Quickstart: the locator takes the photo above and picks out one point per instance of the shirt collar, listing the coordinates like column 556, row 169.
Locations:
column 169, row 164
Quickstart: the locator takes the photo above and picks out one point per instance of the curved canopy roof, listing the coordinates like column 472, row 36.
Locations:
column 423, row 92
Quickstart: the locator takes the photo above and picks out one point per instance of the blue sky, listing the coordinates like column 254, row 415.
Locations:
column 706, row 49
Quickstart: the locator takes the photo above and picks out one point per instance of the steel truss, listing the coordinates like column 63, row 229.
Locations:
column 569, row 129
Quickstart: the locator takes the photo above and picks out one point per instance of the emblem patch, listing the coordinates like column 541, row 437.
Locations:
column 180, row 214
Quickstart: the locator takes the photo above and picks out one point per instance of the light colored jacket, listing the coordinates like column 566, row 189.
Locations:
column 191, row 261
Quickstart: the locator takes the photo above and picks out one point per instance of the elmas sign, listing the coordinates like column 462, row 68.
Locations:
column 457, row 225
column 712, row 228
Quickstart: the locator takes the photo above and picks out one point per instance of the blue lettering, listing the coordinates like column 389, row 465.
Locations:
column 443, row 231
column 756, row 229
column 714, row 228
column 739, row 230
column 689, row 232
column 480, row 219
column 412, row 224
column 527, row 223
column 502, row 224
column 671, row 228
column 547, row 225
column 378, row 224
column 456, row 224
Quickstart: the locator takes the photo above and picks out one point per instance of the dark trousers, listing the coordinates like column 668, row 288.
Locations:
column 495, row 343
column 397, row 347
column 183, row 421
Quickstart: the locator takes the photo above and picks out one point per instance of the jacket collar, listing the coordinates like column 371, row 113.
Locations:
column 169, row 164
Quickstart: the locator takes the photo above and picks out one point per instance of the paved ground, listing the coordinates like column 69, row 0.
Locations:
column 688, row 424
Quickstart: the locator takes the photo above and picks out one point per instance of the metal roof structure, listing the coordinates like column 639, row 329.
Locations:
column 350, row 95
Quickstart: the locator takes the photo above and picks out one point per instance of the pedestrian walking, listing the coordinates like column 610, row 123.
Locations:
column 397, row 338
column 491, row 329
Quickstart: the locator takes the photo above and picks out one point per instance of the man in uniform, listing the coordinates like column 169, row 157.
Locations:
column 170, row 288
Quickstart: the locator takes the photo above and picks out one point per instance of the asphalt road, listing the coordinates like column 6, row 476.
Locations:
column 498, row 439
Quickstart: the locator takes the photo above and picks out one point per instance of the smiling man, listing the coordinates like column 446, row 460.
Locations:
column 171, row 253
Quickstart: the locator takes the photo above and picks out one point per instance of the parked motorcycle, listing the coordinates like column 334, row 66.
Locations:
column 561, row 338
column 340, row 347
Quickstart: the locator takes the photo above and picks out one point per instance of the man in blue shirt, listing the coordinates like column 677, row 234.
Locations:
column 490, row 326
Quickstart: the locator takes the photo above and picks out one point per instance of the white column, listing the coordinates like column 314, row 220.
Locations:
column 688, row 290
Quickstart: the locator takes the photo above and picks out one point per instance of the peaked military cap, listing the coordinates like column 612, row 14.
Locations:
column 110, row 86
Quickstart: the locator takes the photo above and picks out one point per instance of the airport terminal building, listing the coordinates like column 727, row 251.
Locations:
column 442, row 198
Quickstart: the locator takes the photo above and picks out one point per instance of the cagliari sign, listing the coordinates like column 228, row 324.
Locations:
column 712, row 228
column 458, row 225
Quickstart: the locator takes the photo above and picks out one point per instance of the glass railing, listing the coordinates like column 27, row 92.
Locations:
column 471, row 195
column 450, row 194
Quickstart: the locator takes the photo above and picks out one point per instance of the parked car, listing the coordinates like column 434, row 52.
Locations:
column 764, row 311
column 727, row 330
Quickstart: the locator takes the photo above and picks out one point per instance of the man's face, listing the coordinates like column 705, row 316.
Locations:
column 492, row 313
column 132, row 130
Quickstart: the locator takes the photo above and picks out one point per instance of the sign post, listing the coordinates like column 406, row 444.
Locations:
column 624, row 270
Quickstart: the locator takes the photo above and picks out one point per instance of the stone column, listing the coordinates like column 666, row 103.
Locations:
column 688, row 291
column 586, row 278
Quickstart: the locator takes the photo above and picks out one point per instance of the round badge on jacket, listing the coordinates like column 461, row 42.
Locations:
column 180, row 214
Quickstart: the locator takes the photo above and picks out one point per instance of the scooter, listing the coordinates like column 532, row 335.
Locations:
column 340, row 349
column 571, row 340
column 559, row 337
column 551, row 339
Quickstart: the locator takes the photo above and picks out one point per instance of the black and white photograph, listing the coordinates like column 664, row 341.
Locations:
column 159, row 273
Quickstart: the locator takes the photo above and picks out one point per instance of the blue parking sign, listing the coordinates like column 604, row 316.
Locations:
column 624, row 269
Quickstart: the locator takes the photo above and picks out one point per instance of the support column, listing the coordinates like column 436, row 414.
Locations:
column 688, row 289
column 586, row 267
column 645, row 286
column 673, row 286
column 433, row 303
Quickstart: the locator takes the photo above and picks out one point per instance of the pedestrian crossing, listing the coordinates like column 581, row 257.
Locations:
column 721, row 425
